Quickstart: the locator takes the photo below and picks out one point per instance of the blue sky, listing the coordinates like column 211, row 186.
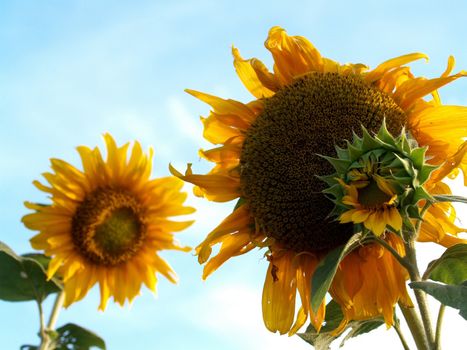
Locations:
column 70, row 71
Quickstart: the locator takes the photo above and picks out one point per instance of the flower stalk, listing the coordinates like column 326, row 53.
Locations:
column 46, row 340
column 438, row 327
column 400, row 334
column 420, row 296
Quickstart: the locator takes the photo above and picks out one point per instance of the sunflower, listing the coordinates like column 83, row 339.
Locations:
column 375, row 212
column 107, row 223
column 267, row 159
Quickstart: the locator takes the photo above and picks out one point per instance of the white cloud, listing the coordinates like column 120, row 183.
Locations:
column 233, row 312
column 185, row 121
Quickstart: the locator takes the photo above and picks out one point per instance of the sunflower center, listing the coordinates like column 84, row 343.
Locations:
column 372, row 197
column 279, row 160
column 108, row 227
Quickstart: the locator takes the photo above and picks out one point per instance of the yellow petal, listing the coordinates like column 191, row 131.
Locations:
column 219, row 188
column 412, row 90
column 293, row 55
column 396, row 62
column 347, row 216
column 232, row 245
column 279, row 294
column 360, row 215
column 248, row 76
column 395, row 219
column 221, row 106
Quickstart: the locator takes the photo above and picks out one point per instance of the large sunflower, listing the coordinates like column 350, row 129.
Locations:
column 267, row 159
column 107, row 223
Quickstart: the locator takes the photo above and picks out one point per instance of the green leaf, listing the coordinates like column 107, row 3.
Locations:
column 334, row 316
column 326, row 269
column 74, row 337
column 323, row 339
column 24, row 278
column 453, row 296
column 451, row 267
column 40, row 258
column 449, row 198
column 361, row 327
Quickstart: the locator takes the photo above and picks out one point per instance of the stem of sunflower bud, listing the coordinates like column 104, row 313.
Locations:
column 438, row 327
column 400, row 334
column 420, row 296
column 415, row 325
column 46, row 341
column 42, row 332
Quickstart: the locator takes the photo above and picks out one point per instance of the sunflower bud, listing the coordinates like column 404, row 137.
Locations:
column 378, row 181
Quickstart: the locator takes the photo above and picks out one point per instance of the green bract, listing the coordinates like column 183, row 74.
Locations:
column 397, row 162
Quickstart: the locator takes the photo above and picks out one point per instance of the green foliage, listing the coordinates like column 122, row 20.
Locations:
column 451, row 295
column 326, row 269
column 24, row 278
column 72, row 337
column 451, row 267
column 334, row 316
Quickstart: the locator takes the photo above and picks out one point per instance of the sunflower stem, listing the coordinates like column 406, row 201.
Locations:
column 420, row 296
column 415, row 325
column 42, row 332
column 438, row 327
column 400, row 334
column 46, row 341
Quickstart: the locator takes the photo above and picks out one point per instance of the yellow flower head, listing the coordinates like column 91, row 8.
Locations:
column 107, row 223
column 372, row 207
column 267, row 159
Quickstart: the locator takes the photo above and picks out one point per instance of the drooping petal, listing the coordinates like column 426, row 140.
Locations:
column 392, row 64
column 219, row 188
column 247, row 74
column 293, row 55
column 279, row 293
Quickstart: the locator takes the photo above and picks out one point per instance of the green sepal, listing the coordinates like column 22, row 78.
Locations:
column 425, row 172
column 384, row 135
column 368, row 141
column 341, row 153
column 421, row 194
column 413, row 212
column 418, row 156
column 335, row 190
column 329, row 179
column 339, row 164
column 354, row 152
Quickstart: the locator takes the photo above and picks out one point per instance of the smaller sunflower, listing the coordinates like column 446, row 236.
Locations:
column 107, row 223
column 373, row 207
column 379, row 181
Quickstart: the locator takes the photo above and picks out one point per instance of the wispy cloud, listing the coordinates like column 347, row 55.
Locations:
column 233, row 312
